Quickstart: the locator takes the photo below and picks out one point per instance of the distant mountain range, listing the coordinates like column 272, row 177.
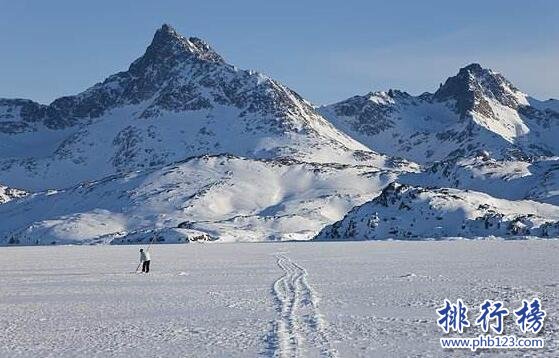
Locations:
column 476, row 111
column 185, row 146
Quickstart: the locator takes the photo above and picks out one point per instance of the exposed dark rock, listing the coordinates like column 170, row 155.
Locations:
column 472, row 85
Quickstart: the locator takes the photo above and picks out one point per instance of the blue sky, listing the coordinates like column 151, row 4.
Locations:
column 325, row 50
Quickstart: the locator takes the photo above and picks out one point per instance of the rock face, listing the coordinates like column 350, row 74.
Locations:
column 180, row 99
column 415, row 213
column 474, row 86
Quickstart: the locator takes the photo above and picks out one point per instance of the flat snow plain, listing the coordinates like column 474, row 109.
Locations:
column 353, row 299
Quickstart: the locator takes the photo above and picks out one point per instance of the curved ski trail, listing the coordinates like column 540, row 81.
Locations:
column 300, row 329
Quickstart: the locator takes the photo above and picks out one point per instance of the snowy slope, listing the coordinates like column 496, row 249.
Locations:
column 222, row 197
column 406, row 212
column 180, row 99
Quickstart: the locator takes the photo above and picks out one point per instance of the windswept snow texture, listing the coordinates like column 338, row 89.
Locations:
column 222, row 197
column 360, row 299
column 406, row 212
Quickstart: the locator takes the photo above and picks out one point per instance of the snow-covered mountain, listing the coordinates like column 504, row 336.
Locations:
column 477, row 131
column 223, row 197
column 407, row 212
column 478, row 110
column 180, row 99
column 184, row 146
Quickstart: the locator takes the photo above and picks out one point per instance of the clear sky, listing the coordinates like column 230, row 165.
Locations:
column 325, row 50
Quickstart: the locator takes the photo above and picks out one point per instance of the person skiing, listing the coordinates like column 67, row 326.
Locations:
column 145, row 260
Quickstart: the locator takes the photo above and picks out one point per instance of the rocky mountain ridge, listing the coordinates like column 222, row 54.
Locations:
column 186, row 147
column 179, row 100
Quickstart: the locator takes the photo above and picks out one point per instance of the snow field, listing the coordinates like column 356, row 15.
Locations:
column 352, row 299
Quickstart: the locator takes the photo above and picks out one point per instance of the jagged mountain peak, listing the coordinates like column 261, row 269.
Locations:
column 475, row 75
column 168, row 58
column 169, row 30
column 178, row 100
column 474, row 85
column 169, row 48
column 476, row 69
column 477, row 109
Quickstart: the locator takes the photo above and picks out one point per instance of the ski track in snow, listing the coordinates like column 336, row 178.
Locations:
column 300, row 327
column 377, row 299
